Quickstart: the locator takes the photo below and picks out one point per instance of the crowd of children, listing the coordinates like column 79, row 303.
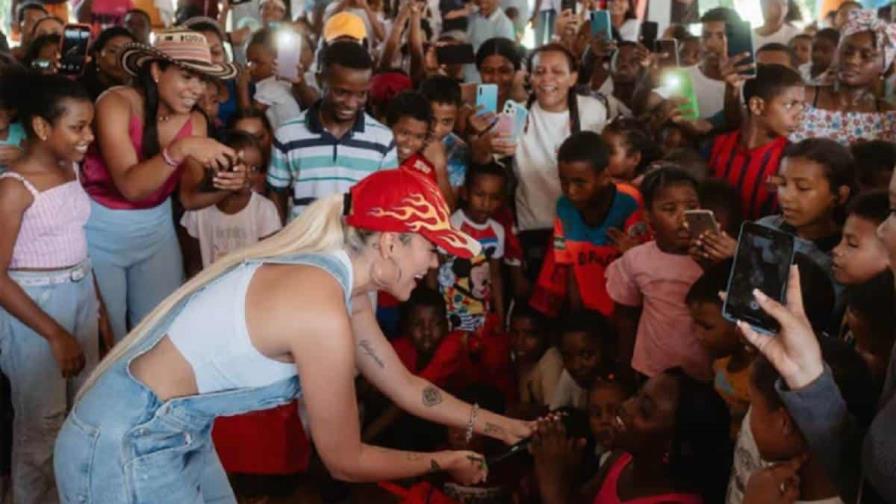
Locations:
column 594, row 306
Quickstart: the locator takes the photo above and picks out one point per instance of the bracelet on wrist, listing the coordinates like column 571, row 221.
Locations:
column 170, row 161
column 469, row 434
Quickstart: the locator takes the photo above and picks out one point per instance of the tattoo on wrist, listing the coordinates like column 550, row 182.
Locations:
column 368, row 349
column 434, row 466
column 431, row 396
column 493, row 429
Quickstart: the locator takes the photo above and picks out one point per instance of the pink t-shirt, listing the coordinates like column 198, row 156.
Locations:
column 647, row 276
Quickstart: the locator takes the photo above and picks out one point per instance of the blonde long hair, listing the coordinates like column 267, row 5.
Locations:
column 320, row 228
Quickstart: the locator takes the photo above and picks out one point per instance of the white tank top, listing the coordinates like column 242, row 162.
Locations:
column 212, row 335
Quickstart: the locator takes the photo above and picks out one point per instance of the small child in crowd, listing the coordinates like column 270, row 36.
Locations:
column 273, row 95
column 861, row 255
column 631, row 150
column 720, row 338
column 605, row 399
column 585, row 345
column 824, row 45
column 255, row 123
column 649, row 283
column 538, row 363
column 594, row 216
column 870, row 322
column 240, row 219
column 444, row 96
column 474, row 288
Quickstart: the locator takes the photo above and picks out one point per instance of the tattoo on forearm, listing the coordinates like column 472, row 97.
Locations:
column 434, row 466
column 492, row 429
column 431, row 396
column 368, row 349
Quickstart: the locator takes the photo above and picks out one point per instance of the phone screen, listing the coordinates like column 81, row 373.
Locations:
column 762, row 261
column 455, row 54
column 289, row 50
column 73, row 50
column 648, row 33
column 667, row 49
column 487, row 98
column 700, row 221
column 600, row 24
column 740, row 40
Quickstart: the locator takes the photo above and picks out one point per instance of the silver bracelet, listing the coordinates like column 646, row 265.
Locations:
column 469, row 435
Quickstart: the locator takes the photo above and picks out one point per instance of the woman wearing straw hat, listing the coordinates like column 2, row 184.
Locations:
column 149, row 141
column 243, row 334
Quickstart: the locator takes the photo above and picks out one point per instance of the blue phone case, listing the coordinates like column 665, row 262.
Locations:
column 487, row 98
column 600, row 24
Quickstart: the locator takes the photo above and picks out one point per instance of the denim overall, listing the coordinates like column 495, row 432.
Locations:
column 121, row 444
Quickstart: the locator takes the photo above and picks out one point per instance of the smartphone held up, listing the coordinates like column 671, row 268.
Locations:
column 73, row 49
column 289, row 51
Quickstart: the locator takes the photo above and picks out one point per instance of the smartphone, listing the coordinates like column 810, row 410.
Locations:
column 41, row 64
column 600, row 24
column 700, row 221
column 289, row 49
column 677, row 82
column 455, row 54
column 667, row 49
column 762, row 261
column 73, row 49
column 238, row 2
column 649, row 30
column 740, row 40
column 518, row 112
column 567, row 5
column 486, row 98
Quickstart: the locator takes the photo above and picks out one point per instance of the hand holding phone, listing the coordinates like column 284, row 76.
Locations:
column 649, row 31
column 740, row 41
column 667, row 52
column 486, row 99
column 762, row 262
column 700, row 221
column 73, row 49
column 600, row 24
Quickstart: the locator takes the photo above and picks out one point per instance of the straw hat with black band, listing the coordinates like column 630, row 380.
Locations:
column 185, row 48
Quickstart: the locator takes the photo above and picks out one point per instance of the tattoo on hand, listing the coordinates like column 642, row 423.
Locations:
column 493, row 430
column 431, row 396
column 434, row 466
column 368, row 349
column 477, row 461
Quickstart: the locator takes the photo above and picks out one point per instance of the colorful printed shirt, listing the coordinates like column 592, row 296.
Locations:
column 466, row 283
column 458, row 154
column 588, row 251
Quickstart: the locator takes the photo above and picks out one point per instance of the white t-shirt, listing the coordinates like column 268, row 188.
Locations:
column 782, row 36
column 276, row 95
column 568, row 393
column 535, row 160
column 710, row 92
column 220, row 233
column 630, row 30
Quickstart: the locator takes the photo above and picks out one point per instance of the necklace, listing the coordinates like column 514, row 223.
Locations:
column 164, row 118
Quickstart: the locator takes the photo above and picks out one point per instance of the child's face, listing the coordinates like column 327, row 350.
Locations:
column 552, row 79
column 255, row 127
column 410, row 136
column 444, row 116
column 689, row 52
column 781, row 114
column 717, row 335
column 887, row 230
column 804, row 193
column 802, row 47
column 776, row 434
column 69, row 135
column 646, row 422
column 604, row 402
column 622, row 165
column 666, row 216
column 484, row 196
column 210, row 101
column 254, row 162
column 860, row 255
column 822, row 53
column 260, row 61
column 580, row 183
column 581, row 357
column 427, row 326
column 528, row 342
column 627, row 65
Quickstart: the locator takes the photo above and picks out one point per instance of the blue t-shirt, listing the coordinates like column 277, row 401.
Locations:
column 458, row 154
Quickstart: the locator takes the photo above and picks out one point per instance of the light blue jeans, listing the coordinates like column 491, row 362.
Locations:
column 122, row 445
column 40, row 395
column 136, row 258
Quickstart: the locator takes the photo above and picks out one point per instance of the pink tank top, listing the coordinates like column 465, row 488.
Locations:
column 609, row 493
column 52, row 232
column 98, row 182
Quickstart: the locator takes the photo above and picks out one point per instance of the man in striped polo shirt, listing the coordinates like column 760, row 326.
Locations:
column 333, row 144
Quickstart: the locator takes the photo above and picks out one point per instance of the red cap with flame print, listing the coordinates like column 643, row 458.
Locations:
column 401, row 201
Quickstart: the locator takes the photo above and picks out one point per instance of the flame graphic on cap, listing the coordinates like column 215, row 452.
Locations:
column 419, row 214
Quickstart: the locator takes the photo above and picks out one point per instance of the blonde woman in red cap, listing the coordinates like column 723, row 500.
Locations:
column 150, row 139
column 246, row 332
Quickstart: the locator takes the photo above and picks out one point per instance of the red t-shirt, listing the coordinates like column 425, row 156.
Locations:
column 450, row 367
column 748, row 171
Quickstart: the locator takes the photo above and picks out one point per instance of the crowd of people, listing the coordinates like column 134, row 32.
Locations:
column 452, row 279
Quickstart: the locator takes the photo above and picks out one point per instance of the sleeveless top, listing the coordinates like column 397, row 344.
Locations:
column 52, row 234
column 845, row 127
column 608, row 493
column 98, row 181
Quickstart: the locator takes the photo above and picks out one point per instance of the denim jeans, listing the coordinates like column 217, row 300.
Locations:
column 40, row 395
column 121, row 444
column 136, row 258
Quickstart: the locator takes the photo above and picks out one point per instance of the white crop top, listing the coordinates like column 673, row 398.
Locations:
column 212, row 335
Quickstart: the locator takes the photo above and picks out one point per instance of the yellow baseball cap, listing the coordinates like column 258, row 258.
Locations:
column 345, row 24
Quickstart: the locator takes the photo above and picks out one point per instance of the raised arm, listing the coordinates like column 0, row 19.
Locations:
column 379, row 364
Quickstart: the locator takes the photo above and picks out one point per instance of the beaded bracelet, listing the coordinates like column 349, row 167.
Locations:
column 168, row 159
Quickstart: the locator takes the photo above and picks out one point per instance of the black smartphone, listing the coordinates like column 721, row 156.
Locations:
column 73, row 48
column 740, row 40
column 649, row 30
column 762, row 261
column 238, row 2
column 455, row 54
column 567, row 5
column 667, row 49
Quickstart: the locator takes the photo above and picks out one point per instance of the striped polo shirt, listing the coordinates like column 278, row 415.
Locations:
column 748, row 171
column 316, row 164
